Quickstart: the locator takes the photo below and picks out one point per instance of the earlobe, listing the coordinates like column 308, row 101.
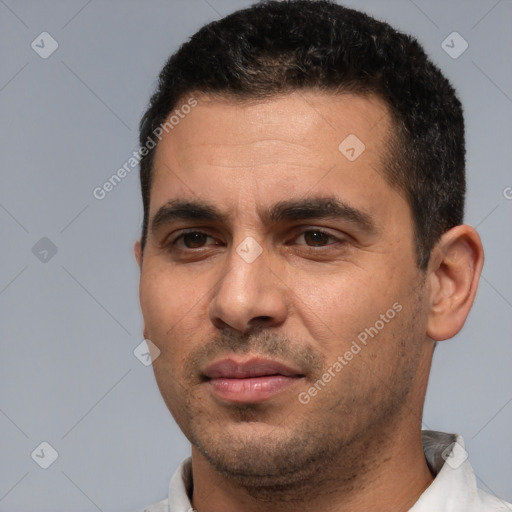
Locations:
column 455, row 268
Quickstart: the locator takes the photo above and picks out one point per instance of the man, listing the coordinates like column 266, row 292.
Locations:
column 302, row 252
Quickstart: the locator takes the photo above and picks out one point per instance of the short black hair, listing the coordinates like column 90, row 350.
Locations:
column 276, row 47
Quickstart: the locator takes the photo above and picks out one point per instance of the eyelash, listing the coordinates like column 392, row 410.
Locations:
column 173, row 244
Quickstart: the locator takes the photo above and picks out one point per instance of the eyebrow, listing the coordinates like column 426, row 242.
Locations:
column 284, row 211
column 322, row 208
column 180, row 209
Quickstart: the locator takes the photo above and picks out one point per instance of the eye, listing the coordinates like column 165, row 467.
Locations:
column 193, row 240
column 316, row 238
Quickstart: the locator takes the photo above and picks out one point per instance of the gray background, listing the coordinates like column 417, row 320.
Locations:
column 70, row 321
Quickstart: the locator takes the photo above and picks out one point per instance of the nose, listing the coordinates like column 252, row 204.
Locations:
column 249, row 294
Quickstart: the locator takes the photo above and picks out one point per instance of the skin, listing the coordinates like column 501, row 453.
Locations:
column 357, row 444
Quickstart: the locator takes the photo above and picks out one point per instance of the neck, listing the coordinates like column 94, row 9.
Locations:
column 390, row 477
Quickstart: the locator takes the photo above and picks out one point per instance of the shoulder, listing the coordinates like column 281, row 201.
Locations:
column 490, row 503
column 161, row 506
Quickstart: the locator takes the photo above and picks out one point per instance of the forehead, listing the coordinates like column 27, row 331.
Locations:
column 302, row 117
column 288, row 145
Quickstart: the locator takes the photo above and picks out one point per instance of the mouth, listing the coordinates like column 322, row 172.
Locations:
column 250, row 381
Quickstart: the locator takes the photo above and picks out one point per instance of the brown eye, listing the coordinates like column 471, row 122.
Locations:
column 194, row 240
column 316, row 238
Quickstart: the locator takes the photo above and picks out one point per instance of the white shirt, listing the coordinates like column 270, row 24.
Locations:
column 453, row 489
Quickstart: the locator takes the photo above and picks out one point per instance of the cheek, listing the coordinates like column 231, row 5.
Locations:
column 165, row 296
column 158, row 304
column 174, row 307
column 337, row 306
column 162, row 304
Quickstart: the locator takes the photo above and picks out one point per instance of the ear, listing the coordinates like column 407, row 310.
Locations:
column 137, row 249
column 454, row 271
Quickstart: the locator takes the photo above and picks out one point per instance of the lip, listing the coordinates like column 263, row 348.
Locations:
column 250, row 381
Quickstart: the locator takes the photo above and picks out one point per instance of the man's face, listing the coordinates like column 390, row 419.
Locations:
column 279, row 282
